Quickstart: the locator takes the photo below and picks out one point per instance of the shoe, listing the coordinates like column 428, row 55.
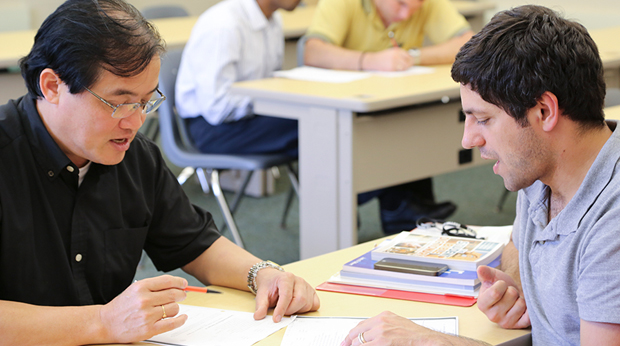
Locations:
column 405, row 216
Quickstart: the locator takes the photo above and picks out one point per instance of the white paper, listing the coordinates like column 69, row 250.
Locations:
column 411, row 71
column 315, row 74
column 331, row 331
column 217, row 327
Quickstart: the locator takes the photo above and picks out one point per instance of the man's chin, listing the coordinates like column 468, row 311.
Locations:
column 110, row 160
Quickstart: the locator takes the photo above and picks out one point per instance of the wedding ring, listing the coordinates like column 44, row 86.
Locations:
column 164, row 312
column 360, row 337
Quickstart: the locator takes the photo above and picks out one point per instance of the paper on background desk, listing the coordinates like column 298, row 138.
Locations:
column 217, row 327
column 315, row 74
column 331, row 331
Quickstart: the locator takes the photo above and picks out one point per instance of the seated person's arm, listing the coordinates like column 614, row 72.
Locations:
column 444, row 53
column 135, row 315
column 319, row 53
column 323, row 54
column 226, row 264
column 501, row 295
column 598, row 333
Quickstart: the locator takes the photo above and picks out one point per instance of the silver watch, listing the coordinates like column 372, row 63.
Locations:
column 254, row 272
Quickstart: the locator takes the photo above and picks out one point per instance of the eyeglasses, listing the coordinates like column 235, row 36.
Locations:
column 126, row 109
column 448, row 228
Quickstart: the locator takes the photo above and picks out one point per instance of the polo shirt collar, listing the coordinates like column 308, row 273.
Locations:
column 255, row 16
column 371, row 11
column 598, row 177
column 50, row 157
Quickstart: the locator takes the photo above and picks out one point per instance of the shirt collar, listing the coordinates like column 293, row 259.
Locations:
column 371, row 11
column 47, row 152
column 598, row 177
column 255, row 16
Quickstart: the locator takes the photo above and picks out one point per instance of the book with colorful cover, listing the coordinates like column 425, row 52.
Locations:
column 458, row 253
column 364, row 265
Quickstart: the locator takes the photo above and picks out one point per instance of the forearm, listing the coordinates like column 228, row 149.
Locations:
column 326, row 55
column 510, row 263
column 24, row 324
column 223, row 264
column 443, row 53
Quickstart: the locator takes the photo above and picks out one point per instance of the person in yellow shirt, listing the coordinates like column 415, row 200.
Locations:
column 384, row 35
column 389, row 35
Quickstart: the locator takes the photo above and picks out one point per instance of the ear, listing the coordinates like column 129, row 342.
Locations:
column 549, row 112
column 50, row 85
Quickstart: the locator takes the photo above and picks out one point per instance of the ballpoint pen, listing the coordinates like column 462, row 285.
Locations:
column 200, row 289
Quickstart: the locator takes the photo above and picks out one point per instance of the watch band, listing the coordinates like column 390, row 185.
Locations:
column 254, row 272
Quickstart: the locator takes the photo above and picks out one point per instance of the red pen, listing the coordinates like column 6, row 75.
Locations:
column 199, row 289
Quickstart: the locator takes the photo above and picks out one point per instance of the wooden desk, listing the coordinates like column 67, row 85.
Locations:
column 472, row 322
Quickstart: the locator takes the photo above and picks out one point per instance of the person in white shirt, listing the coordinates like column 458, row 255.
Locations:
column 235, row 40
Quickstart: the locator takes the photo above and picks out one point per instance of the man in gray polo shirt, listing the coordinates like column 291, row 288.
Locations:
column 532, row 89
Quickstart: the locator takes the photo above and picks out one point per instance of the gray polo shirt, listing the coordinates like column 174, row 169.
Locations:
column 570, row 267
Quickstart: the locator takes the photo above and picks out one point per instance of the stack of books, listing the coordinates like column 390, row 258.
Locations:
column 461, row 256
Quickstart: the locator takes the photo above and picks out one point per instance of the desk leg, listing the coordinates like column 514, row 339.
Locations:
column 347, row 196
column 318, row 178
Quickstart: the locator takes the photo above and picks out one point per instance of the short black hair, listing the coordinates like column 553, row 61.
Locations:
column 525, row 51
column 84, row 37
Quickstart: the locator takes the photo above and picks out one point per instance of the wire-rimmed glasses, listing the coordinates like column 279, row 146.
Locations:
column 448, row 228
column 124, row 110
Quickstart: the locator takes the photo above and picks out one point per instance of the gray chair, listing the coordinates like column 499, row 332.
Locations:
column 164, row 11
column 181, row 151
column 151, row 127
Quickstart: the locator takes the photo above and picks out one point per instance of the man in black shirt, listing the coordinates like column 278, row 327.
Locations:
column 82, row 194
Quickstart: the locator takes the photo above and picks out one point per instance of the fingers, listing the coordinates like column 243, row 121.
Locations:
column 503, row 305
column 291, row 295
column 164, row 282
column 169, row 324
column 161, row 290
column 486, row 274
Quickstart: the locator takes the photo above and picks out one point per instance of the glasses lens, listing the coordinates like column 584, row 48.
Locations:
column 125, row 110
column 152, row 105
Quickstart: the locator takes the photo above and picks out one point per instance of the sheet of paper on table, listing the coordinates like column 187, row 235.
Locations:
column 315, row 74
column 331, row 331
column 217, row 327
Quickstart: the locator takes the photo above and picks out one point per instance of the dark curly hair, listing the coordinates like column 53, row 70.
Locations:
column 525, row 51
column 84, row 37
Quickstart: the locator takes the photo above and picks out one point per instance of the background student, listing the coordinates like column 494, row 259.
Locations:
column 389, row 35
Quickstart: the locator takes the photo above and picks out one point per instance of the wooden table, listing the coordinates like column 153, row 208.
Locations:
column 472, row 322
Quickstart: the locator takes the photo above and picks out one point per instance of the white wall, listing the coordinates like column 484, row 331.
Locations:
column 593, row 14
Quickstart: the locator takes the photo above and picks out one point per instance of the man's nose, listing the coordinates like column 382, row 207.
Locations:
column 471, row 136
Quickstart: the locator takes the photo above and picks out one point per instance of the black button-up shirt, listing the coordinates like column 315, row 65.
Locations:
column 61, row 244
